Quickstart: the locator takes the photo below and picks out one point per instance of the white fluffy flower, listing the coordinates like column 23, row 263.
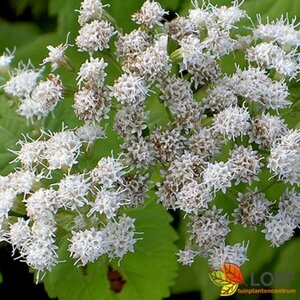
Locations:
column 200, row 17
column 22, row 181
column 92, row 72
column 56, row 56
column 47, row 94
column 130, row 121
column 209, row 229
column 19, row 235
column 62, row 149
column 193, row 197
column 166, row 143
column 120, row 237
column 133, row 43
column 254, row 85
column 235, row 254
column 177, row 95
column 282, row 31
column 232, row 122
column 219, row 41
column 135, row 188
column 138, row 153
column 90, row 10
column 108, row 172
column 30, row 153
column 90, row 132
column 279, row 229
column 218, row 176
column 42, row 205
column 30, row 108
column 153, row 64
column 7, row 200
column 92, row 103
column 289, row 204
column 245, row 164
column 108, row 202
column 271, row 56
column 86, row 246
column 72, row 191
column 130, row 90
column 284, row 158
column 182, row 170
column 179, row 28
column 186, row 257
column 267, row 130
column 22, row 81
column 41, row 252
column 226, row 17
column 220, row 96
column 94, row 36
column 253, row 209
column 201, row 65
column 150, row 14
column 205, row 143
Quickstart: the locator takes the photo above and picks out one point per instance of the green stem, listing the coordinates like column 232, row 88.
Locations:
column 110, row 19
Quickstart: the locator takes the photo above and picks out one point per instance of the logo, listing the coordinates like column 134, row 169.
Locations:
column 229, row 278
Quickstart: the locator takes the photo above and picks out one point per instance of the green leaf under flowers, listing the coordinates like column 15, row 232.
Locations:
column 149, row 271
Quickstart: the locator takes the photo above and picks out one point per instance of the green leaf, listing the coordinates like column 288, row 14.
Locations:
column 218, row 278
column 1, row 278
column 121, row 11
column 36, row 7
column 67, row 17
column 148, row 272
column 196, row 278
column 285, row 265
column 16, row 34
column 11, row 127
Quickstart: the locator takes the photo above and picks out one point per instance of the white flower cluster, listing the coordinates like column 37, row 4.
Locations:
column 181, row 123
column 115, row 239
column 101, row 191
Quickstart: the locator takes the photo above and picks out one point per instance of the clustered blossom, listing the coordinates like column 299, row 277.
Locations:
column 284, row 158
column 267, row 130
column 115, row 239
column 150, row 14
column 94, row 36
column 232, row 122
column 92, row 72
column 181, row 127
column 57, row 57
column 22, row 81
column 252, row 210
column 235, row 254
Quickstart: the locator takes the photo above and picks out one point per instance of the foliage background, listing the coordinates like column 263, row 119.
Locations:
column 32, row 25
